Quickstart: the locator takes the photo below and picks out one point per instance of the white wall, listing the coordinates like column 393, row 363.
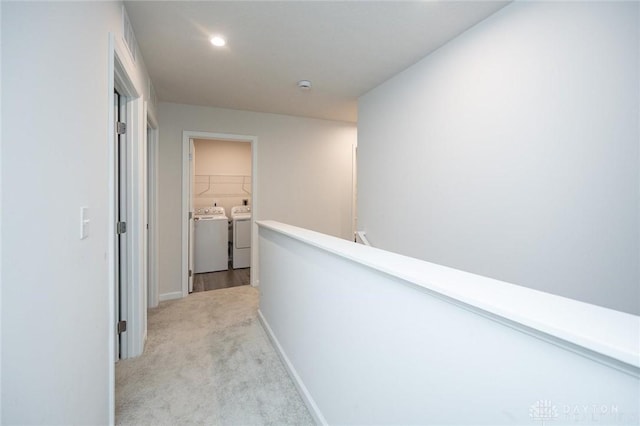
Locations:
column 55, row 294
column 223, row 173
column 512, row 152
column 304, row 173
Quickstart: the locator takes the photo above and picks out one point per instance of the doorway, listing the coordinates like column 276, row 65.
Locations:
column 127, row 208
column 127, row 249
column 222, row 188
column 120, row 199
column 152, row 212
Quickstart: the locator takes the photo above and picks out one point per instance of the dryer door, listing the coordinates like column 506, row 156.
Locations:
column 242, row 237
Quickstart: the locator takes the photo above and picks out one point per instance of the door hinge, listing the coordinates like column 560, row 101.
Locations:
column 190, row 215
column 190, row 273
column 122, row 326
column 121, row 128
column 121, row 227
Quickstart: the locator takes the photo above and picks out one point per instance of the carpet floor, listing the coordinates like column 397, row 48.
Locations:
column 207, row 361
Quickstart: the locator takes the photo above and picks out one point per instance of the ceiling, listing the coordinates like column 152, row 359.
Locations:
column 344, row 48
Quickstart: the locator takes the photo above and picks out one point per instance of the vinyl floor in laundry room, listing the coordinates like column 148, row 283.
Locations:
column 221, row 279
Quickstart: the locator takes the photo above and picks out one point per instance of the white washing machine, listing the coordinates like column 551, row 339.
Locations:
column 241, row 218
column 211, row 241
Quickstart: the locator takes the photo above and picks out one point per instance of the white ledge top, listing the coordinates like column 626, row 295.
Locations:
column 605, row 331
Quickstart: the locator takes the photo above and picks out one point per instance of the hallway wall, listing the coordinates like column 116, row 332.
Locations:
column 304, row 173
column 519, row 154
column 55, row 158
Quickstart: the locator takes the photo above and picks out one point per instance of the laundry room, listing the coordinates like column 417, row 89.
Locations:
column 222, row 213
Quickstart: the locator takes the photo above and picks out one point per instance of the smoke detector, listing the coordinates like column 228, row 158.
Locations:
column 304, row 84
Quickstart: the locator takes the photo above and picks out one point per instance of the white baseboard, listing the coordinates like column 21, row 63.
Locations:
column 170, row 296
column 302, row 389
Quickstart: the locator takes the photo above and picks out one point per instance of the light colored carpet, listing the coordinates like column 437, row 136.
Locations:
column 207, row 361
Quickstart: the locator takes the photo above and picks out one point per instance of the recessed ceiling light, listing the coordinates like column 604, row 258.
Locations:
column 218, row 41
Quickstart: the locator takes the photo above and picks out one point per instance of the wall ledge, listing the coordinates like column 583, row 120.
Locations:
column 610, row 336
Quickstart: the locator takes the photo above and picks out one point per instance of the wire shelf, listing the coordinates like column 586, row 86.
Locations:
column 218, row 186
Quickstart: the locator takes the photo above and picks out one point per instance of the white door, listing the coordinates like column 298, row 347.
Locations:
column 192, row 172
column 121, row 217
column 148, row 241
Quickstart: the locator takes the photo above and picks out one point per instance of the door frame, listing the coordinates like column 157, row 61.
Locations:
column 187, row 135
column 152, row 209
column 120, row 71
column 121, row 200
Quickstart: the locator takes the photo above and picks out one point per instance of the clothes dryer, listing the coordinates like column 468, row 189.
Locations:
column 241, row 218
column 211, row 240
